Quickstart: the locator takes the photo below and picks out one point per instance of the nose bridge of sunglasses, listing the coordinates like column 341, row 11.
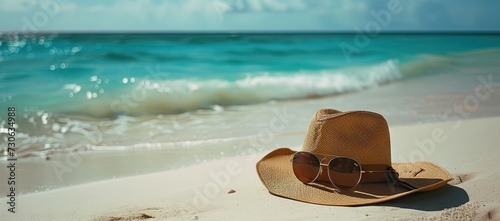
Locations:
column 323, row 162
column 323, row 172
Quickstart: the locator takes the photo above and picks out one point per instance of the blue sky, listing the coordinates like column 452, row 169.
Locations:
column 233, row 15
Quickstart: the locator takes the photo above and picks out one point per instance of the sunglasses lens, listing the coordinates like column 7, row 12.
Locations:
column 305, row 166
column 344, row 172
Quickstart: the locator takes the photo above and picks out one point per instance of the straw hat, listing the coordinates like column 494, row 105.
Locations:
column 361, row 135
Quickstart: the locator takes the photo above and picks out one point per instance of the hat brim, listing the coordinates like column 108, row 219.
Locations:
column 275, row 172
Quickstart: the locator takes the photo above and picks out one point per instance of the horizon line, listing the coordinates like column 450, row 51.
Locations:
column 346, row 32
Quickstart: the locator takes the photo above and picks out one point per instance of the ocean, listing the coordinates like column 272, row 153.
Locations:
column 147, row 91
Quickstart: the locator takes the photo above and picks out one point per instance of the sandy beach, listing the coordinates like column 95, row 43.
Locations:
column 200, row 164
column 230, row 188
column 172, row 110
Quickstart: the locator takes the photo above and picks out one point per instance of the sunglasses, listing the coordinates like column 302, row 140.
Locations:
column 343, row 172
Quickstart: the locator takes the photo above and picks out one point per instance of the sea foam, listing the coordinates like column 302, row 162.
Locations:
column 150, row 96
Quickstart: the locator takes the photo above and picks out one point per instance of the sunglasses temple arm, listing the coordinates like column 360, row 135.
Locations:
column 405, row 184
column 394, row 177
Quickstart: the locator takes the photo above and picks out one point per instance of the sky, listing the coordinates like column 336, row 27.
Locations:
column 248, row 15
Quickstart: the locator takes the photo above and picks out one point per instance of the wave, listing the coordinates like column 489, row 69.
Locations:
column 426, row 64
column 149, row 96
column 429, row 64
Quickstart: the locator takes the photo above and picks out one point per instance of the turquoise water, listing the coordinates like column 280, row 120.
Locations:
column 110, row 75
column 122, row 87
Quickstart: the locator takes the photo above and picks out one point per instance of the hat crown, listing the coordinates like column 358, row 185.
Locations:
column 361, row 135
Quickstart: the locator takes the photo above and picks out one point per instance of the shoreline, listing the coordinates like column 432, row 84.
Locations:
column 201, row 190
column 412, row 106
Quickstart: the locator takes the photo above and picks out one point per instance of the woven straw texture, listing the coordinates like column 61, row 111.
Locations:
column 361, row 135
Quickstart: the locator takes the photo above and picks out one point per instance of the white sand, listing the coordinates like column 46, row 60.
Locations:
column 470, row 152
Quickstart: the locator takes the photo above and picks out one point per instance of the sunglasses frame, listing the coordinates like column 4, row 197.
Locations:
column 393, row 175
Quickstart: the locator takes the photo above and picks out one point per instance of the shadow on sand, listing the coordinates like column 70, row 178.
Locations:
column 446, row 197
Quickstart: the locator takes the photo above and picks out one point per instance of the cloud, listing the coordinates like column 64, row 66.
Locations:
column 268, row 5
column 261, row 5
column 118, row 15
column 445, row 15
column 330, row 15
column 18, row 5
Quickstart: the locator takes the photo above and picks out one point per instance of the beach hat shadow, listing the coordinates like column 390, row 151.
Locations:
column 448, row 196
